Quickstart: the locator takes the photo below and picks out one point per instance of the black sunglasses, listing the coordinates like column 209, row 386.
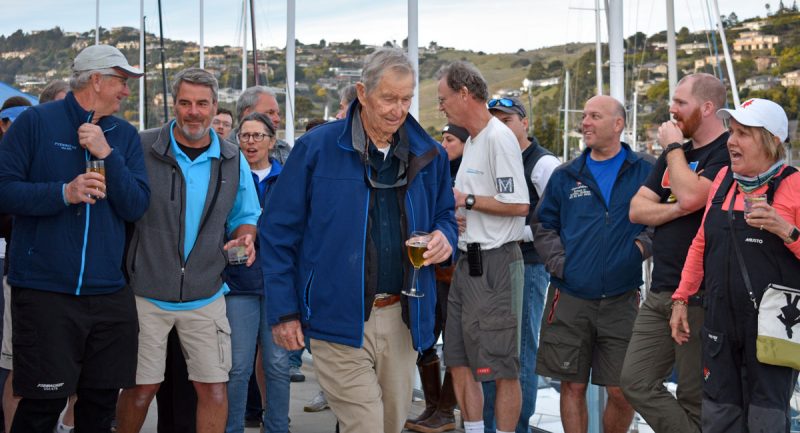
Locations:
column 402, row 177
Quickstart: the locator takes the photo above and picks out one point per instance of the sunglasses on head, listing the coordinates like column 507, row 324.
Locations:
column 505, row 102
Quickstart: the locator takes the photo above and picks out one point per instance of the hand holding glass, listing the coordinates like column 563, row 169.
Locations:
column 237, row 255
column 751, row 199
column 96, row 166
column 417, row 244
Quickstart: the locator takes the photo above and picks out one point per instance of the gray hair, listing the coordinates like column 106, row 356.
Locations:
column 196, row 76
column 382, row 60
column 349, row 94
column 80, row 79
column 249, row 99
column 460, row 74
column 52, row 89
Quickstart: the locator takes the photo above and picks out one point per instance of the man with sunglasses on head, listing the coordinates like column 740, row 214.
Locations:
column 74, row 317
column 203, row 194
column 538, row 164
column 333, row 247
column 482, row 310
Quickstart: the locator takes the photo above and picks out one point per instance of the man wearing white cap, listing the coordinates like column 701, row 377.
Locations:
column 74, row 320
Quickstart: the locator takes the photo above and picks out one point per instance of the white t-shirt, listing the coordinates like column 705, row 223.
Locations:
column 262, row 173
column 492, row 166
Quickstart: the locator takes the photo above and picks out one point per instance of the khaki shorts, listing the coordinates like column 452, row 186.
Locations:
column 582, row 335
column 205, row 337
column 6, row 352
column 481, row 330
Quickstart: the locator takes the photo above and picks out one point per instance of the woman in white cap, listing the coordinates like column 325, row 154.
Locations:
column 740, row 393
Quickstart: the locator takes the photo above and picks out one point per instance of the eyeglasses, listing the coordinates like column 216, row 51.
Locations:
column 124, row 80
column 217, row 122
column 505, row 102
column 257, row 137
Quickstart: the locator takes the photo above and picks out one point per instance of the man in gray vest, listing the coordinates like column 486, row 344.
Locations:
column 203, row 196
column 538, row 164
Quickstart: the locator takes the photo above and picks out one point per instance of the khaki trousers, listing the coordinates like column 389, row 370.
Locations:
column 369, row 388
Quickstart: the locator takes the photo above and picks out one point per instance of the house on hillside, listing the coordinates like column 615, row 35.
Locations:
column 749, row 41
column 692, row 47
column 761, row 82
column 791, row 79
column 654, row 68
column 764, row 63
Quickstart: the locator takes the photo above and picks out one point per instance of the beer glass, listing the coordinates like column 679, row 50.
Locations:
column 96, row 166
column 750, row 199
column 237, row 255
column 416, row 244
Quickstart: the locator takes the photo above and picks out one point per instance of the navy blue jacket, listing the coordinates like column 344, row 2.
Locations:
column 77, row 248
column 588, row 247
column 241, row 279
column 313, row 234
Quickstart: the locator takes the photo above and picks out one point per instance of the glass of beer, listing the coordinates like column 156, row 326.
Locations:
column 416, row 244
column 96, row 166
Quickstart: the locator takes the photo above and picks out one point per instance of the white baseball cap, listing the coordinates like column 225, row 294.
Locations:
column 104, row 57
column 760, row 113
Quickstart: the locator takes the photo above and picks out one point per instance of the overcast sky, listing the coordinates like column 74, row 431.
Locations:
column 479, row 25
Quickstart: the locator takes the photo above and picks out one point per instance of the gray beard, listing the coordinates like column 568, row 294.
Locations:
column 194, row 137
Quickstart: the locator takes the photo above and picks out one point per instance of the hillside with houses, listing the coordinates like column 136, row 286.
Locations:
column 765, row 52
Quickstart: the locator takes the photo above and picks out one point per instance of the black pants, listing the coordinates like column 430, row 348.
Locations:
column 94, row 411
column 176, row 397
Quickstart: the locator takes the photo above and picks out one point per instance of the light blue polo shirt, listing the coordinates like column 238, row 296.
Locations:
column 197, row 174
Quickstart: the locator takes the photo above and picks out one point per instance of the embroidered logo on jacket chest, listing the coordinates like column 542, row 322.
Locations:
column 579, row 190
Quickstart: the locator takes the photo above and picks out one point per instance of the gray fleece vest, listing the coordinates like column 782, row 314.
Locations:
column 156, row 267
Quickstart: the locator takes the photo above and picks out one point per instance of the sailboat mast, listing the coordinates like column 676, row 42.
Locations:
column 244, row 45
column 97, row 23
column 728, row 61
column 672, row 63
column 253, row 32
column 163, row 67
column 598, row 49
column 142, row 126
column 413, row 51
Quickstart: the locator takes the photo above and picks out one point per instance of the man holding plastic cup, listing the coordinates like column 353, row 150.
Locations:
column 204, row 193
column 74, row 318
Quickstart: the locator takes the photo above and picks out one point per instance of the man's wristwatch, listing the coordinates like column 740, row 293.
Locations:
column 469, row 201
column 672, row 146
column 794, row 235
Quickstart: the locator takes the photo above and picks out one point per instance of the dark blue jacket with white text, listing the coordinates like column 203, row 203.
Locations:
column 589, row 247
column 77, row 248
column 313, row 233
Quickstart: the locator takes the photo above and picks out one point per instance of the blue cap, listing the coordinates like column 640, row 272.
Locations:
column 12, row 113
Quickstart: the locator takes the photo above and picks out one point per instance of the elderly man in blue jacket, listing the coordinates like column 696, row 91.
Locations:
column 74, row 318
column 333, row 249
column 594, row 255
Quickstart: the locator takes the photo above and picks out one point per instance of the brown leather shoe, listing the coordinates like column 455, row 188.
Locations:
column 437, row 423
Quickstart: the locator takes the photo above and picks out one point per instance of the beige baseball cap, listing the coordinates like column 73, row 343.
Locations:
column 104, row 57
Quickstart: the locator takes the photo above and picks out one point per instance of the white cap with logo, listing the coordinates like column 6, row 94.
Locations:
column 760, row 113
column 104, row 57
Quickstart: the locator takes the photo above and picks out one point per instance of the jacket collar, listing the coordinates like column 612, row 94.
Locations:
column 163, row 143
column 579, row 165
column 78, row 115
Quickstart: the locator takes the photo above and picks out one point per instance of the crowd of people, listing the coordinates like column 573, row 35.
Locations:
column 195, row 262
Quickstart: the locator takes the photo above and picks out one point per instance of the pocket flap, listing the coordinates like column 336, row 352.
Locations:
column 497, row 323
